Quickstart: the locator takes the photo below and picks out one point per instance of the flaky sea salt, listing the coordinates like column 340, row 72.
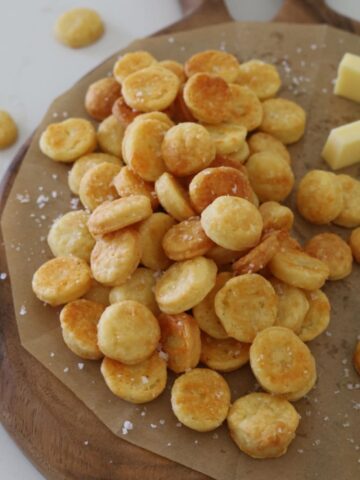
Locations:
column 3, row 276
column 81, row 365
column 128, row 425
column 74, row 203
column 42, row 200
column 23, row 310
column 163, row 355
column 23, row 197
column 66, row 369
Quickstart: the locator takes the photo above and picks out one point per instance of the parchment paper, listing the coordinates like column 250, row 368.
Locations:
column 327, row 445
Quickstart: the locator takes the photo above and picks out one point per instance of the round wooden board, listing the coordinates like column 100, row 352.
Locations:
column 44, row 417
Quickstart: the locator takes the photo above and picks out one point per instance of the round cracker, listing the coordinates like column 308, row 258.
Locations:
column 123, row 212
column 283, row 119
column 333, row 251
column 139, row 383
column 61, row 280
column 186, row 240
column 84, row 164
column 204, row 312
column 185, row 284
column 128, row 332
column 96, row 185
column 317, row 317
column 299, row 269
column 246, row 305
column 215, row 182
column 79, row 27
column 151, row 88
column 68, row 140
column 270, row 176
column 115, row 257
column 151, row 233
column 319, row 197
column 187, row 148
column 69, row 235
column 200, row 399
column 262, row 426
column 208, row 97
column 139, row 287
column 173, row 197
column 224, row 355
column 78, row 320
column 216, row 62
column 180, row 340
column 281, row 362
column 232, row 222
column 100, row 97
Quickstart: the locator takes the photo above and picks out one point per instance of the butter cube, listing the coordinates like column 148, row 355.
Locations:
column 342, row 147
column 348, row 79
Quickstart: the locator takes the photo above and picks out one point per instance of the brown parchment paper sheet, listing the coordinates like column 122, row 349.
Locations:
column 328, row 439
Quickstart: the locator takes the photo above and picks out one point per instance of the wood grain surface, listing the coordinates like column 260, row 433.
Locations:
column 46, row 420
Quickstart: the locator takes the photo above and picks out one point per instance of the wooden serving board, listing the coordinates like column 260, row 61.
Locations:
column 45, row 418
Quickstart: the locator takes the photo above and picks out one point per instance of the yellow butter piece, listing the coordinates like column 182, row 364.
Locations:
column 348, row 79
column 342, row 147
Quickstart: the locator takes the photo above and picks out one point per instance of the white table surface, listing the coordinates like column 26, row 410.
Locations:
column 35, row 69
